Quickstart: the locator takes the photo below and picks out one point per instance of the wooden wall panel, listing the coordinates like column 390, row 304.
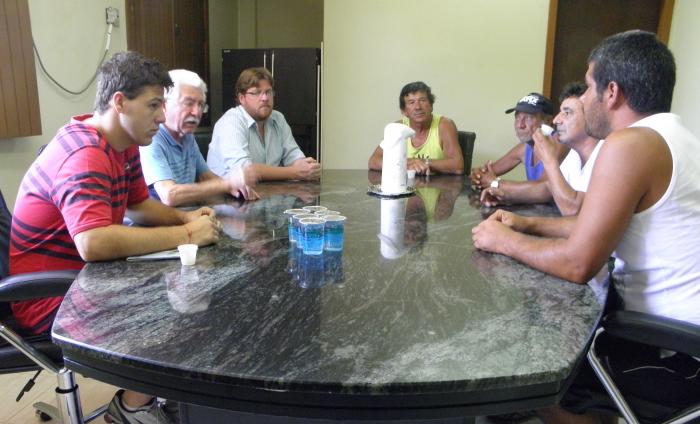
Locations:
column 576, row 26
column 19, row 98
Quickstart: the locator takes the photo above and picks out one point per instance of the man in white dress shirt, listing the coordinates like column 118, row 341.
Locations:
column 255, row 134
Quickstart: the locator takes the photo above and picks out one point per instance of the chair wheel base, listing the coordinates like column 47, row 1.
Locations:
column 43, row 416
column 45, row 412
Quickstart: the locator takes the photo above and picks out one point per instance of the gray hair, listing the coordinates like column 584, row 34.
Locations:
column 182, row 77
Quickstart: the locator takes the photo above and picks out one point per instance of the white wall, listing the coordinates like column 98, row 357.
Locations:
column 279, row 23
column 289, row 23
column 70, row 36
column 684, row 43
column 479, row 57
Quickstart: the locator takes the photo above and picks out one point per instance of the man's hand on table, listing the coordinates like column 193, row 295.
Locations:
column 482, row 176
column 242, row 181
column 306, row 169
column 203, row 226
column 493, row 197
column 494, row 233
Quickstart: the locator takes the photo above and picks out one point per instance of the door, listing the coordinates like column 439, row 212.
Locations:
column 576, row 26
column 175, row 32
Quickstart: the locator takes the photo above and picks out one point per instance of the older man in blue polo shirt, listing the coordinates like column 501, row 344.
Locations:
column 173, row 166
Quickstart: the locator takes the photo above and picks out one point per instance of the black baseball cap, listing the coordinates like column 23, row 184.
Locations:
column 533, row 103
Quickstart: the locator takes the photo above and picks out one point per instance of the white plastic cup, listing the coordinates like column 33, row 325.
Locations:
column 546, row 130
column 188, row 254
column 411, row 174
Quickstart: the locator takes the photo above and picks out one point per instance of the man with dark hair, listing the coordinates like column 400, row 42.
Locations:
column 434, row 148
column 254, row 134
column 641, row 207
column 565, row 183
column 74, row 197
column 531, row 112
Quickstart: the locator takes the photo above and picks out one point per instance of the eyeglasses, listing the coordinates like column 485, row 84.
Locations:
column 188, row 103
column 258, row 93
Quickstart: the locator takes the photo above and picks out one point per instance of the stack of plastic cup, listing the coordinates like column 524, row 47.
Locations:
column 334, row 232
column 290, row 224
column 297, row 227
column 312, row 235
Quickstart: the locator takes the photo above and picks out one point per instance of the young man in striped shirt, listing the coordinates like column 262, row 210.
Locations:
column 73, row 199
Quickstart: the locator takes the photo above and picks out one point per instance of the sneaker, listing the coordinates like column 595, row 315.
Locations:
column 151, row 413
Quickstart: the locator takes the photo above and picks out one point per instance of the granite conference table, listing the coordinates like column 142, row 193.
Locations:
column 409, row 321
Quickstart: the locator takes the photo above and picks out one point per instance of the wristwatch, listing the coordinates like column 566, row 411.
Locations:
column 495, row 183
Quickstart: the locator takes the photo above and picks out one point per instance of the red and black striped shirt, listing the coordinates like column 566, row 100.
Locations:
column 79, row 182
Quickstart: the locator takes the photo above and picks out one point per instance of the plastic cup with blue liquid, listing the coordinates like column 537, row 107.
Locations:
column 289, row 213
column 296, row 226
column 312, row 235
column 334, row 232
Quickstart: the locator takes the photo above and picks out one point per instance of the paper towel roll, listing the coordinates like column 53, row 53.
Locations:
column 394, row 157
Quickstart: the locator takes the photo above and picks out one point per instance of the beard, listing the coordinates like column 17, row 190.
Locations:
column 597, row 124
column 599, row 128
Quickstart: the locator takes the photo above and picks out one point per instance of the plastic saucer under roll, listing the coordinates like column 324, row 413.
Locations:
column 376, row 190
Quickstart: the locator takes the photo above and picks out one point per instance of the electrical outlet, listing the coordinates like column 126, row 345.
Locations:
column 112, row 14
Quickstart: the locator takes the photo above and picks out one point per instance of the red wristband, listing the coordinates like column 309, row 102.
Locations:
column 189, row 234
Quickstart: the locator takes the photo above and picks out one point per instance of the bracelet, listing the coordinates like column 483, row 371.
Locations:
column 189, row 234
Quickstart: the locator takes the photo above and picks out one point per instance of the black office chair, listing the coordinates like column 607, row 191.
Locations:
column 466, row 143
column 23, row 353
column 655, row 331
column 203, row 138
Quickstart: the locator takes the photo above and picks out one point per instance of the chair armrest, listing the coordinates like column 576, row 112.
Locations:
column 35, row 285
column 653, row 330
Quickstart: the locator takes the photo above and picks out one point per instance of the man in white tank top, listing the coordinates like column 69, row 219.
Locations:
column 643, row 201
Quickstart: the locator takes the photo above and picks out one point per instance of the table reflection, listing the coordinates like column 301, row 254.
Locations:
column 404, row 221
column 315, row 271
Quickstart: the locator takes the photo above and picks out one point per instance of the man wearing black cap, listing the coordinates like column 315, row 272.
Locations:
column 567, row 181
column 530, row 113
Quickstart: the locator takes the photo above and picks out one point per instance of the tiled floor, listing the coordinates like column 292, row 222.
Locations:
column 92, row 393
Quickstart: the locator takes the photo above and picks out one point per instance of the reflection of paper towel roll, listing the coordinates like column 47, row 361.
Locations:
column 394, row 157
column 185, row 293
column 392, row 228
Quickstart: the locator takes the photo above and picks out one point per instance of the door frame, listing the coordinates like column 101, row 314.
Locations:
column 662, row 32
